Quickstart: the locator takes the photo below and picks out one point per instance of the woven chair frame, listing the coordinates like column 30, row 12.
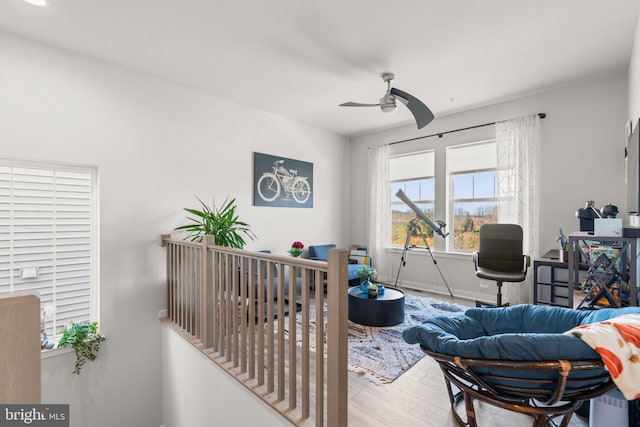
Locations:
column 561, row 396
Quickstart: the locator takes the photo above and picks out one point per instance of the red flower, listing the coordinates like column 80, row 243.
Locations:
column 297, row 245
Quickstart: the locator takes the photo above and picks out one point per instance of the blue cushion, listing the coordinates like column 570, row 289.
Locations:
column 526, row 318
column 466, row 337
column 320, row 252
column 517, row 333
column 520, row 333
column 593, row 316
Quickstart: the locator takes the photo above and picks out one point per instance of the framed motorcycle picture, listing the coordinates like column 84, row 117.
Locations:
column 282, row 182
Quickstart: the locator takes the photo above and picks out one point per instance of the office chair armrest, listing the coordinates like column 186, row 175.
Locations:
column 527, row 262
column 476, row 259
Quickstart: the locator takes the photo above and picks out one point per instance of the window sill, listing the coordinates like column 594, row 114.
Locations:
column 54, row 352
column 437, row 254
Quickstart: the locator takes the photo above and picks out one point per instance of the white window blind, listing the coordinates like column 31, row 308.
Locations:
column 48, row 238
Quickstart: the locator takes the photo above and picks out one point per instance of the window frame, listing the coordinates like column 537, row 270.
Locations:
column 451, row 201
column 93, row 233
column 417, row 178
column 442, row 209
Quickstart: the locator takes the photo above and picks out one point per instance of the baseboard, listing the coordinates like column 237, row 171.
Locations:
column 442, row 290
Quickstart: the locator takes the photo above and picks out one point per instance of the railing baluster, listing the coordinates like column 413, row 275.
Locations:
column 207, row 270
column 198, row 292
column 234, row 316
column 216, row 302
column 251, row 280
column 280, row 318
column 244, row 320
column 229, row 299
column 261, row 321
column 222, row 320
column 270, row 335
column 305, row 353
column 168, row 259
column 175, row 283
column 320, row 383
column 181, row 263
column 292, row 339
column 191, row 282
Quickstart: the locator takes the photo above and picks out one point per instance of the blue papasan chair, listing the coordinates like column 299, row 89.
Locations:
column 517, row 358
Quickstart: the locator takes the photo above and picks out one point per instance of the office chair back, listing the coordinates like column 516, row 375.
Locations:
column 501, row 248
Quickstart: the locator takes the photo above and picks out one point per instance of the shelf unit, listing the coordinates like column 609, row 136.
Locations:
column 551, row 282
column 611, row 263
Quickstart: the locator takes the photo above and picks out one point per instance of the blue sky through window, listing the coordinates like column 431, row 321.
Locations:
column 419, row 189
column 475, row 185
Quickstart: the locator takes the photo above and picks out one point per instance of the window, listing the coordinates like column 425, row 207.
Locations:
column 414, row 174
column 472, row 193
column 455, row 180
column 48, row 239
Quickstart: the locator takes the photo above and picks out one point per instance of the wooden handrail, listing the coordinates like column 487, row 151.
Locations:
column 220, row 299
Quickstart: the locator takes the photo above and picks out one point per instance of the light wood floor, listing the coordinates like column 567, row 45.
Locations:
column 419, row 398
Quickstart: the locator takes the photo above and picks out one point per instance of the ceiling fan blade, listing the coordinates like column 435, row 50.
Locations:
column 421, row 112
column 357, row 104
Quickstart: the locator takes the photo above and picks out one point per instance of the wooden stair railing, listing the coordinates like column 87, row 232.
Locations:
column 213, row 299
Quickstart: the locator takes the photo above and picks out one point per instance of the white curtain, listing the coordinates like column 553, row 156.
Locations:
column 379, row 209
column 518, row 147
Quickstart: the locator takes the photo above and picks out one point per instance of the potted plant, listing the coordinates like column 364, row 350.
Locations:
column 296, row 249
column 222, row 223
column 85, row 340
column 366, row 273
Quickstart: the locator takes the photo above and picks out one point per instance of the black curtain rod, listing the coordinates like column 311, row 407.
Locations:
column 440, row 134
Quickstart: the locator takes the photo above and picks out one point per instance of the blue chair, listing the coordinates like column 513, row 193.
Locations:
column 321, row 253
column 517, row 358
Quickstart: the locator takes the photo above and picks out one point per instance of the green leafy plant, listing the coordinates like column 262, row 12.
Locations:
column 222, row 223
column 366, row 272
column 85, row 340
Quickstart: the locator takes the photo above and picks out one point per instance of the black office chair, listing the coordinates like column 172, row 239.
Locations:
column 500, row 257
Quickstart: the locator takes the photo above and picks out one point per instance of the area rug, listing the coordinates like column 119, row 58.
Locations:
column 380, row 354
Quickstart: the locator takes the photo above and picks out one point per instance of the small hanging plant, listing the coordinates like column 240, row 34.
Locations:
column 85, row 340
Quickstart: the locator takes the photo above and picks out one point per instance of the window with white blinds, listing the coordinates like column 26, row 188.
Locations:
column 48, row 238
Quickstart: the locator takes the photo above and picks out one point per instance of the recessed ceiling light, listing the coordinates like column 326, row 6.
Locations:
column 37, row 2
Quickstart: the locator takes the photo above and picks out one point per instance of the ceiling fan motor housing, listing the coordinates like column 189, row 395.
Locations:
column 388, row 103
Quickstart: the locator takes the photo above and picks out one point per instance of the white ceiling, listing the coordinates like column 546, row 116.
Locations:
column 301, row 58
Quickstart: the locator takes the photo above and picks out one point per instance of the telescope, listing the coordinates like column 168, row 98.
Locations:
column 437, row 227
column 413, row 226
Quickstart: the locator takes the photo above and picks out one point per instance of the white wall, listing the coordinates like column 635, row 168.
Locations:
column 582, row 158
column 634, row 77
column 200, row 394
column 156, row 145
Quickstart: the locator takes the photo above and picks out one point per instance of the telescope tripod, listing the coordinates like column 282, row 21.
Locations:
column 414, row 226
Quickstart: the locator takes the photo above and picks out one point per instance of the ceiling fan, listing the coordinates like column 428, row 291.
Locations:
column 387, row 103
